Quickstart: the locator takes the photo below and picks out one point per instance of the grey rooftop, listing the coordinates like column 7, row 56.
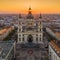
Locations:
column 5, row 47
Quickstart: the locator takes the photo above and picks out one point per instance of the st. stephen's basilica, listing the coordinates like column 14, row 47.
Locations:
column 30, row 38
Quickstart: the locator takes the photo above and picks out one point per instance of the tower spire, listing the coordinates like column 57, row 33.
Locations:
column 20, row 16
column 29, row 16
column 40, row 16
column 30, row 8
column 29, row 12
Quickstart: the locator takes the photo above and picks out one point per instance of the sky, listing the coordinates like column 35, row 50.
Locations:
column 38, row 6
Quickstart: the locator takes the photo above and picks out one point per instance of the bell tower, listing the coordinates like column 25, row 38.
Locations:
column 19, row 28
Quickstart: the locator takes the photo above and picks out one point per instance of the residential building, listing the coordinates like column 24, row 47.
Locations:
column 54, row 50
column 7, row 50
column 5, row 32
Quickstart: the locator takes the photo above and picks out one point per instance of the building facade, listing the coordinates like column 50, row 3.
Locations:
column 5, row 32
column 54, row 50
column 7, row 50
column 29, row 29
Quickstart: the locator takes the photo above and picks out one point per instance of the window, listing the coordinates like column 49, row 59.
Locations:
column 40, row 39
column 19, row 39
column 36, row 30
column 19, row 35
column 36, row 38
column 19, row 29
column 36, row 35
column 40, row 30
column 40, row 35
column 23, row 39
column 23, row 35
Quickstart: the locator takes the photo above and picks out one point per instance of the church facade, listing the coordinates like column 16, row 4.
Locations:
column 29, row 29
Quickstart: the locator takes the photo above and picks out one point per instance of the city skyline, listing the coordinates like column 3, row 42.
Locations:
column 21, row 6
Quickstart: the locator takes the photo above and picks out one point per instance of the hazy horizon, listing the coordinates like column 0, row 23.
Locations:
column 38, row 6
